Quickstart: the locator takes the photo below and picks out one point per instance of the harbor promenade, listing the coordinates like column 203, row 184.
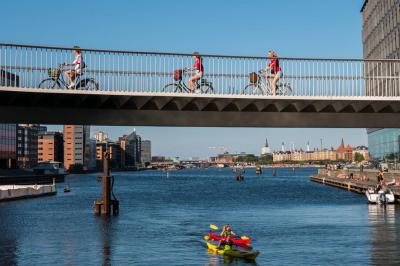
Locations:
column 355, row 181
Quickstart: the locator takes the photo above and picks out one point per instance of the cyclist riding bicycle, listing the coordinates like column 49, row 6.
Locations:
column 78, row 64
column 276, row 71
column 198, row 71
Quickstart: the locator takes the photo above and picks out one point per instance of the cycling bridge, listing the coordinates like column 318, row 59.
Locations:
column 129, row 88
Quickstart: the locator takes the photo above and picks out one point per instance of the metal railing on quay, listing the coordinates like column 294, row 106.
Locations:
column 28, row 66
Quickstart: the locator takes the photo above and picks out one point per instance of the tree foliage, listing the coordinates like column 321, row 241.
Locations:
column 358, row 157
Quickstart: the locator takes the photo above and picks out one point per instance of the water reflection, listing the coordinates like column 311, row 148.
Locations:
column 219, row 260
column 105, row 227
column 8, row 249
column 8, row 238
column 384, row 234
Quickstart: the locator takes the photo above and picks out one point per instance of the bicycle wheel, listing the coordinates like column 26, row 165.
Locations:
column 173, row 87
column 50, row 83
column 88, row 84
column 206, row 88
column 252, row 89
column 284, row 89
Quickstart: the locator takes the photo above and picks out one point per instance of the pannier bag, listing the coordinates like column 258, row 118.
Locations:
column 178, row 74
column 253, row 77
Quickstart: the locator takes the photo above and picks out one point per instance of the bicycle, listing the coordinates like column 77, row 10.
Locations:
column 56, row 81
column 179, row 85
column 258, row 87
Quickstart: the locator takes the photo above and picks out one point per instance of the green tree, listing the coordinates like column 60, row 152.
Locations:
column 358, row 157
column 248, row 158
column 267, row 159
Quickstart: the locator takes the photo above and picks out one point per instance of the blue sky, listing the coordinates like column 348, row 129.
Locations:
column 308, row 28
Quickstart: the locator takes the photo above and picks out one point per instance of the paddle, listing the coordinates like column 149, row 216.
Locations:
column 213, row 227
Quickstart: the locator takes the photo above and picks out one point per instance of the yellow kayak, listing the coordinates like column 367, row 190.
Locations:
column 248, row 255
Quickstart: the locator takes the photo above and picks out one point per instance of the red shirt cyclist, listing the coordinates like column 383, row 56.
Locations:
column 275, row 70
column 198, row 71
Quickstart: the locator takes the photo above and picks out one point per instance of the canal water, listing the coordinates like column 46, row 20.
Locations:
column 164, row 217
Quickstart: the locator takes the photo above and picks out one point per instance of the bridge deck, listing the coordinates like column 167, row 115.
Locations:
column 31, row 105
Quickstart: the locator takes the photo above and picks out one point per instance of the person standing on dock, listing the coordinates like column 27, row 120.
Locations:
column 379, row 177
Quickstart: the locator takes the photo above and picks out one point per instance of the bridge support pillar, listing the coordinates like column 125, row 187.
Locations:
column 104, row 205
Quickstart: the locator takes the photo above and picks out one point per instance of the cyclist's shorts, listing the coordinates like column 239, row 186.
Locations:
column 197, row 72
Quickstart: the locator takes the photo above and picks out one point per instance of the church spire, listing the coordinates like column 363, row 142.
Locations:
column 342, row 142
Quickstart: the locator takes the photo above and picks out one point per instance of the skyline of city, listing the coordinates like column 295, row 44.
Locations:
column 331, row 138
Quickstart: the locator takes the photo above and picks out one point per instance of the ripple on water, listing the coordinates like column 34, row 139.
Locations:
column 292, row 220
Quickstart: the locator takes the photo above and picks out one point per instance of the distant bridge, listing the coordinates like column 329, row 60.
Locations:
column 131, row 91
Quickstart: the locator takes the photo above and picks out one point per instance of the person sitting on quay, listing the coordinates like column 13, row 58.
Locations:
column 342, row 176
column 393, row 183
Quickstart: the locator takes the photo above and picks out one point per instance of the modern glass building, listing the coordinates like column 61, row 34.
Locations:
column 8, row 146
column 381, row 40
column 384, row 144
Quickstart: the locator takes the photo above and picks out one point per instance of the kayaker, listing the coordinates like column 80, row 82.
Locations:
column 226, row 234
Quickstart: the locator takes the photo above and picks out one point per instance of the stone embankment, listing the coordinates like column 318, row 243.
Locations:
column 13, row 192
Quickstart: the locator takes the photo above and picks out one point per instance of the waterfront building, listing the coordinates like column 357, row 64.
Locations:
column 77, row 148
column 384, row 144
column 344, row 152
column 281, row 156
column 380, row 29
column 146, row 152
column 91, row 161
column 266, row 150
column 115, row 154
column 158, row 159
column 101, row 136
column 50, row 147
column 8, row 146
column 324, row 155
column 101, row 148
column 131, row 147
column 381, row 40
column 122, row 147
column 27, row 144
column 305, row 156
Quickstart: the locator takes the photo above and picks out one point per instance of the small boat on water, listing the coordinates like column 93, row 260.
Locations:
column 379, row 197
column 234, row 252
column 67, row 189
column 258, row 170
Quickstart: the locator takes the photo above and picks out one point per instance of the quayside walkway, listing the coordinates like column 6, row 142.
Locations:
column 340, row 179
column 131, row 88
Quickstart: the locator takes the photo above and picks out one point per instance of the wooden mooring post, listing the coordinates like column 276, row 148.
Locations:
column 104, row 205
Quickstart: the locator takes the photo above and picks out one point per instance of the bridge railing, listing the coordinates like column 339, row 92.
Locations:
column 25, row 66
